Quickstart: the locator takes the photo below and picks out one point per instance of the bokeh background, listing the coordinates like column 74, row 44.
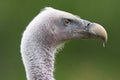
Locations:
column 80, row 59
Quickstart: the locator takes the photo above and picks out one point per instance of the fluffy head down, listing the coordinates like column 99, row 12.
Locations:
column 55, row 26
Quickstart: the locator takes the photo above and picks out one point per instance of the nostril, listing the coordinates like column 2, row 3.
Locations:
column 88, row 24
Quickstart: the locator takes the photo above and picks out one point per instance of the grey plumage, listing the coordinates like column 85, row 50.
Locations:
column 45, row 33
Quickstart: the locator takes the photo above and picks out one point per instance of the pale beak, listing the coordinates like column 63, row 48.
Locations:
column 97, row 31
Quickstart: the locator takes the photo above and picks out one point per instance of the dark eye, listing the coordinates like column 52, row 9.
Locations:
column 67, row 22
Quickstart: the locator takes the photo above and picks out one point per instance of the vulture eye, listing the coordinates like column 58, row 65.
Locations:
column 67, row 22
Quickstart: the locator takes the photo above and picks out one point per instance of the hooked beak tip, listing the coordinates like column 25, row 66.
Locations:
column 98, row 31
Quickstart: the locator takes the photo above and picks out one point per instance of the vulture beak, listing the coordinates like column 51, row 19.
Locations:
column 96, row 31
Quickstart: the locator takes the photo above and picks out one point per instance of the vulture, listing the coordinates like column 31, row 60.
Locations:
column 44, row 35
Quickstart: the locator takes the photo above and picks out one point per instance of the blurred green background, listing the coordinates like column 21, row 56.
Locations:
column 80, row 59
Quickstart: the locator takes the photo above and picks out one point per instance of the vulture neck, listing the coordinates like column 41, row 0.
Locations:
column 38, row 58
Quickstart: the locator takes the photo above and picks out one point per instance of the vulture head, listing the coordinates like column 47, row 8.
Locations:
column 60, row 26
